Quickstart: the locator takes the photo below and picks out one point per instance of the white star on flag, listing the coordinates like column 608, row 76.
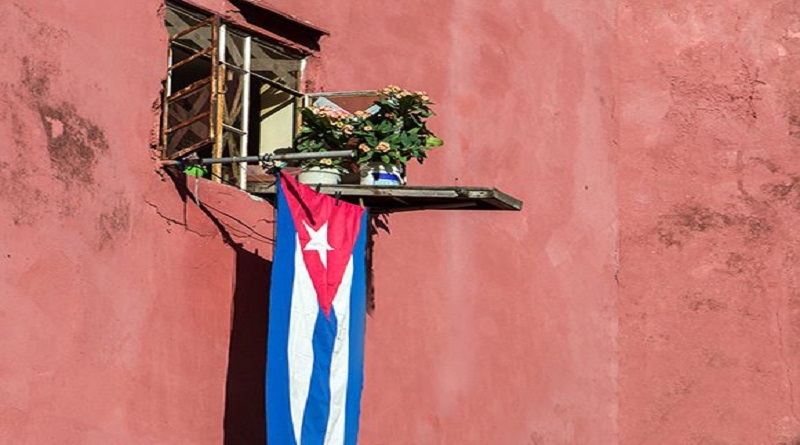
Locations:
column 319, row 242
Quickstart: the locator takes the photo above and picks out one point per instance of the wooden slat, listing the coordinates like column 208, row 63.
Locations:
column 188, row 89
column 191, row 148
column 206, row 22
column 188, row 122
column 190, row 58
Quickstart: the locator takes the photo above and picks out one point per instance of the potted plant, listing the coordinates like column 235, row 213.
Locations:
column 392, row 134
column 389, row 134
column 324, row 129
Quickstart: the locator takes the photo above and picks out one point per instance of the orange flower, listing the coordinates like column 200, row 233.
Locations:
column 364, row 147
column 383, row 147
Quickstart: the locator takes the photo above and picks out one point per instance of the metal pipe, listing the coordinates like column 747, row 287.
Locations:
column 265, row 158
column 359, row 93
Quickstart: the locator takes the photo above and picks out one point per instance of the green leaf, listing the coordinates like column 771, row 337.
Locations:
column 385, row 159
column 433, row 142
column 385, row 127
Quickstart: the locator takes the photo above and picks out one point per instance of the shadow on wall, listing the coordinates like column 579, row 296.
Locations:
column 245, row 414
column 378, row 222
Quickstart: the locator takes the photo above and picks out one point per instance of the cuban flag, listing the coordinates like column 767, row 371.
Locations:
column 317, row 315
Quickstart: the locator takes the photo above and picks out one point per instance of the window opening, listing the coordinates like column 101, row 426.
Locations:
column 187, row 122
column 350, row 101
column 228, row 93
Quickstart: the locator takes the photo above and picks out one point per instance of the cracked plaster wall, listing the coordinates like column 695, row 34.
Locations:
column 115, row 292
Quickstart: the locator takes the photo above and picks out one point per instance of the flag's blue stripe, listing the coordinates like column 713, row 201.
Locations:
column 279, row 418
column 318, row 406
column 358, row 319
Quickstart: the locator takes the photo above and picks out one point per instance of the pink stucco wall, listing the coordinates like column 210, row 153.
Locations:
column 647, row 293
column 708, row 169
column 489, row 327
column 115, row 291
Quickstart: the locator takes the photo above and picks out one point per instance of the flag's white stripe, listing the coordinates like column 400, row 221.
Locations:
column 341, row 357
column 300, row 349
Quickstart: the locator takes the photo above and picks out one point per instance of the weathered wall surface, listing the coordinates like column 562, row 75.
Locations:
column 646, row 294
column 708, row 200
column 116, row 288
column 115, row 291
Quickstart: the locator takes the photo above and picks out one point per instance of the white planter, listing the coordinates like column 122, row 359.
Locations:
column 378, row 173
column 320, row 175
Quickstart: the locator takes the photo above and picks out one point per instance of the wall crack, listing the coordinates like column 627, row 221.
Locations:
column 171, row 221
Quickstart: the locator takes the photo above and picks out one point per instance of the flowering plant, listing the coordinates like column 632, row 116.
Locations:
column 392, row 131
column 325, row 129
column 397, row 131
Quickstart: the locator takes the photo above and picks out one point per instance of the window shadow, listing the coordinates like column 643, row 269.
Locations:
column 245, row 412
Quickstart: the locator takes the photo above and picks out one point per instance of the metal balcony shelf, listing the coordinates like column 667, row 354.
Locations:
column 390, row 199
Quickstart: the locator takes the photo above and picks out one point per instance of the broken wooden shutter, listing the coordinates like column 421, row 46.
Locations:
column 190, row 105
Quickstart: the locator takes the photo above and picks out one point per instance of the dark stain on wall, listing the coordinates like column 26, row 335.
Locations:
column 36, row 77
column 675, row 228
column 27, row 201
column 787, row 191
column 689, row 219
column 73, row 141
column 791, row 100
column 112, row 222
column 697, row 302
column 795, row 441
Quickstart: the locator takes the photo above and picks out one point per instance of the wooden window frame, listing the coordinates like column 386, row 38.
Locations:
column 216, row 114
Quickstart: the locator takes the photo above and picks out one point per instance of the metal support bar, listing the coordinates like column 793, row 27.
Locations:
column 359, row 93
column 265, row 158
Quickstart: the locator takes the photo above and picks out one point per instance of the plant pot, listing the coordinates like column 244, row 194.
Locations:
column 378, row 173
column 320, row 175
